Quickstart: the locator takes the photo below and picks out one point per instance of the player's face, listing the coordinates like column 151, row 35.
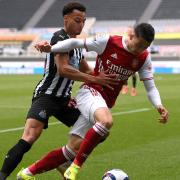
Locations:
column 137, row 44
column 74, row 22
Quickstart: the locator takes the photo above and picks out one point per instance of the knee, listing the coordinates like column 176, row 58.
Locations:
column 104, row 117
column 74, row 147
column 107, row 122
column 32, row 131
column 74, row 144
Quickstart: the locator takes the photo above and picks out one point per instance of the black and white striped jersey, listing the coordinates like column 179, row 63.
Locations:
column 52, row 83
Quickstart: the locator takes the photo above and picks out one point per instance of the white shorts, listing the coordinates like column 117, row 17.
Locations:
column 88, row 101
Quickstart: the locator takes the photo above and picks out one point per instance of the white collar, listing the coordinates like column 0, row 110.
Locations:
column 124, row 44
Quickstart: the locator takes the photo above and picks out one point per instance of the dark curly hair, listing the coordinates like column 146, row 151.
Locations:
column 68, row 8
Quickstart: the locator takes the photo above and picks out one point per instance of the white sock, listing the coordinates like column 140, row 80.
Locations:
column 27, row 172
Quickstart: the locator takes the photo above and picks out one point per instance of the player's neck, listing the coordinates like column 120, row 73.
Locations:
column 130, row 49
column 70, row 34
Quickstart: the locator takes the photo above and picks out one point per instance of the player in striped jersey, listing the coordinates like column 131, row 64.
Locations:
column 116, row 54
column 53, row 93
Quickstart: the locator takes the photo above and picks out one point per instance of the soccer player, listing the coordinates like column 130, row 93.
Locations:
column 53, row 93
column 116, row 54
column 125, row 87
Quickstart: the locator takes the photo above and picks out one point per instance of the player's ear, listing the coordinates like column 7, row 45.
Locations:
column 66, row 17
column 130, row 32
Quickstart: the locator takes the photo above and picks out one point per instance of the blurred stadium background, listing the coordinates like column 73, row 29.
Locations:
column 25, row 22
column 138, row 144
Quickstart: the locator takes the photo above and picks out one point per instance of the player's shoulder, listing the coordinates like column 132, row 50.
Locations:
column 115, row 39
column 101, row 37
column 145, row 54
column 59, row 35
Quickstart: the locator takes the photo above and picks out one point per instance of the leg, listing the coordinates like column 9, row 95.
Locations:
column 73, row 144
column 93, row 108
column 134, row 83
column 32, row 131
column 125, row 88
column 95, row 134
column 61, row 156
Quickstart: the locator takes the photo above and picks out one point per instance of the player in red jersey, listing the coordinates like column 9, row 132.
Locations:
column 116, row 54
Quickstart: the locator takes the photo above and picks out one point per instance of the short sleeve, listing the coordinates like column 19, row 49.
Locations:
column 55, row 39
column 97, row 44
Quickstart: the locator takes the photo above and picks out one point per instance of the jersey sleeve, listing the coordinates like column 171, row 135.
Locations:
column 152, row 93
column 90, row 44
column 97, row 44
column 55, row 39
column 145, row 73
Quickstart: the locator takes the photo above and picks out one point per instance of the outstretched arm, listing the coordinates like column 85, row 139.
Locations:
column 61, row 46
column 90, row 44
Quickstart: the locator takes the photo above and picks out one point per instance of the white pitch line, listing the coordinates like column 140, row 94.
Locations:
column 20, row 128
column 130, row 112
column 54, row 123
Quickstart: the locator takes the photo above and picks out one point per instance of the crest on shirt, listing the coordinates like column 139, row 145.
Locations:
column 135, row 63
column 114, row 55
column 43, row 114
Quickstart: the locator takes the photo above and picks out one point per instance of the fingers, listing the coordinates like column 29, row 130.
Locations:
column 164, row 115
column 106, row 71
column 115, row 76
column 108, row 86
column 43, row 46
column 163, row 120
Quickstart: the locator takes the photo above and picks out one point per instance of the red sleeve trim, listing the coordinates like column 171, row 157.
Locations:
column 146, row 79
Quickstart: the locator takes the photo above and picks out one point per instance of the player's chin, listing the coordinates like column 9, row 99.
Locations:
column 78, row 31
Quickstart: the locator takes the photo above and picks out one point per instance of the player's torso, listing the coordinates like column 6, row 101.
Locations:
column 117, row 60
column 53, row 83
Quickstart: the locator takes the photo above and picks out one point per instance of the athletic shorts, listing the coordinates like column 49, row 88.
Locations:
column 88, row 101
column 44, row 107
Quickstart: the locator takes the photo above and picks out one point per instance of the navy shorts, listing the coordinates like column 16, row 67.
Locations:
column 44, row 107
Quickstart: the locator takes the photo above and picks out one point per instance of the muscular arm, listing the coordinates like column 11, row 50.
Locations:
column 85, row 68
column 68, row 71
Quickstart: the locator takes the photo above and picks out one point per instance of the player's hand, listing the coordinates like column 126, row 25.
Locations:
column 107, row 80
column 164, row 114
column 43, row 46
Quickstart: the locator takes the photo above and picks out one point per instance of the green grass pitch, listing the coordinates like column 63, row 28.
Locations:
column 138, row 144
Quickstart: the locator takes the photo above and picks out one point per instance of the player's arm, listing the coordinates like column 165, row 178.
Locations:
column 97, row 44
column 85, row 68
column 62, row 63
column 146, row 76
column 66, row 70
column 103, row 78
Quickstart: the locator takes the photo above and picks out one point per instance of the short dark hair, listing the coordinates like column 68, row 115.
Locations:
column 146, row 31
column 68, row 8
